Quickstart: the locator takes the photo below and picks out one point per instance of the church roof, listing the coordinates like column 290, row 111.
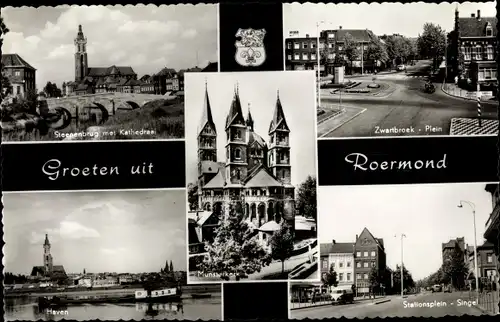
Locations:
column 254, row 137
column 235, row 113
column 278, row 117
column 37, row 270
column 113, row 70
column 206, row 117
column 218, row 181
column 46, row 240
column 262, row 178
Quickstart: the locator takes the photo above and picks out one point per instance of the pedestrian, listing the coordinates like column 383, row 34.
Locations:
column 313, row 298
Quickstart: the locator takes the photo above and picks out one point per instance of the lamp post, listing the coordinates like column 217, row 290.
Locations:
column 318, row 60
column 473, row 207
column 402, row 275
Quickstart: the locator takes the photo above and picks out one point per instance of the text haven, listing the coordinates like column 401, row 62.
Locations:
column 361, row 162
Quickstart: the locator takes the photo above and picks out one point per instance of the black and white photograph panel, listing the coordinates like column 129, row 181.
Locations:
column 393, row 69
column 251, row 176
column 101, row 72
column 405, row 251
column 103, row 255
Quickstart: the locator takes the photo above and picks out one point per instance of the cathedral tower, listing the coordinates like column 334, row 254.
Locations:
column 236, row 135
column 47, row 257
column 207, row 146
column 81, row 67
column 279, row 145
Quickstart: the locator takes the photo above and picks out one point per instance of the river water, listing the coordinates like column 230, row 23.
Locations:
column 26, row 308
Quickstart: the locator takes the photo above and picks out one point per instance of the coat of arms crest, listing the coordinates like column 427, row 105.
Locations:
column 250, row 51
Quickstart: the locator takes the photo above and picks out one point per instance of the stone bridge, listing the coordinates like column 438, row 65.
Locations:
column 100, row 106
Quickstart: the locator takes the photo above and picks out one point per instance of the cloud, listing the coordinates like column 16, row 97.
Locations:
column 189, row 33
column 75, row 230
column 113, row 251
column 145, row 39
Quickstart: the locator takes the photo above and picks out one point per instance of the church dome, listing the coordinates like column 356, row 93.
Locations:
column 252, row 137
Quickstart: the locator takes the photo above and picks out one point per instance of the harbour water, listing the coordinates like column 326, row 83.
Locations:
column 26, row 308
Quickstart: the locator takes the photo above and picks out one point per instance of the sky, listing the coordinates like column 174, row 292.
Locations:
column 259, row 89
column 386, row 18
column 116, row 231
column 147, row 38
column 427, row 214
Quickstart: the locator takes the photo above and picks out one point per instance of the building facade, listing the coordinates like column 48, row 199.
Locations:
column 90, row 80
column 255, row 178
column 487, row 262
column 369, row 254
column 448, row 248
column 21, row 75
column 301, row 53
column 340, row 257
column 492, row 225
column 475, row 39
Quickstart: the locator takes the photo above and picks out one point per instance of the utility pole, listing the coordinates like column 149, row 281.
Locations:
column 402, row 271
column 362, row 58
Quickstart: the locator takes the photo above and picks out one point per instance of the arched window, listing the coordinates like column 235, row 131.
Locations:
column 237, row 154
column 489, row 30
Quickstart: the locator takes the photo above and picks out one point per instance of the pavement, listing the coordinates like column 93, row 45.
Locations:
column 273, row 268
column 420, row 305
column 403, row 109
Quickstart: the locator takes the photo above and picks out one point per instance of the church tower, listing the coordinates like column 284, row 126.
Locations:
column 81, row 67
column 236, row 136
column 207, row 146
column 47, row 257
column 279, row 145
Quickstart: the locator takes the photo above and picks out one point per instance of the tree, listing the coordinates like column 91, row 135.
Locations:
column 192, row 196
column 376, row 51
column 455, row 268
column 235, row 250
column 52, row 90
column 431, row 43
column 407, row 279
column 330, row 278
column 6, row 85
column 281, row 243
column 351, row 50
column 374, row 278
column 306, row 198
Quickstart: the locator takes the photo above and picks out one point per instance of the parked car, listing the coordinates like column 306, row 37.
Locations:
column 401, row 68
column 342, row 295
column 447, row 289
column 437, row 288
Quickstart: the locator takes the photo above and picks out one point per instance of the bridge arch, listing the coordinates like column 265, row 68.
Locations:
column 63, row 118
column 133, row 104
column 104, row 112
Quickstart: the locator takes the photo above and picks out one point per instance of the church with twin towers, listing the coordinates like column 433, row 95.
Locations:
column 254, row 179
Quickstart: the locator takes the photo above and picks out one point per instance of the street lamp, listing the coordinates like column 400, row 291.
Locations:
column 402, row 286
column 473, row 207
column 318, row 23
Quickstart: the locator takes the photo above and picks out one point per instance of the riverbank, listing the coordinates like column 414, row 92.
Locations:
column 187, row 291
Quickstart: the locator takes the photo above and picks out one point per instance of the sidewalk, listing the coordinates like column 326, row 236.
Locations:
column 470, row 126
column 457, row 92
column 348, row 113
column 377, row 300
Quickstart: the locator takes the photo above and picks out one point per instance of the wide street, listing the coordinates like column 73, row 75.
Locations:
column 413, row 305
column 401, row 104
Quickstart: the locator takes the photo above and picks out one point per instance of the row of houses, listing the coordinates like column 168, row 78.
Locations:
column 165, row 81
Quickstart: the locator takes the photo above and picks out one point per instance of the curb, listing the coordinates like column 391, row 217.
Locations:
column 348, row 120
column 465, row 98
column 383, row 301
column 308, row 307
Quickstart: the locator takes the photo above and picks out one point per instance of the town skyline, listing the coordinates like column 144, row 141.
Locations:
column 260, row 90
column 147, row 38
column 404, row 19
column 96, row 231
column 427, row 214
